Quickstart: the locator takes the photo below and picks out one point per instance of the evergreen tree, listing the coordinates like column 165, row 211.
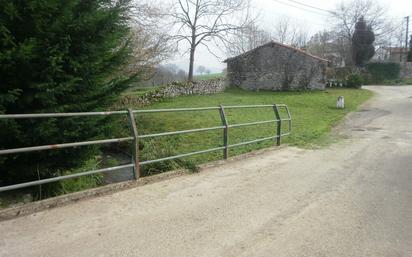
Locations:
column 58, row 56
column 409, row 59
column 362, row 43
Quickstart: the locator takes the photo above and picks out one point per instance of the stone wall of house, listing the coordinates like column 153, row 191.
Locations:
column 406, row 70
column 174, row 89
column 274, row 67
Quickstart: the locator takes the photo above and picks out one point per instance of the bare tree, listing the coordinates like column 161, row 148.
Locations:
column 328, row 45
column 148, row 51
column 247, row 38
column 287, row 32
column 149, row 37
column 300, row 37
column 200, row 21
column 282, row 30
column 319, row 43
column 348, row 13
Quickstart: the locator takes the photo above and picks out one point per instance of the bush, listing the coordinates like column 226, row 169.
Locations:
column 59, row 56
column 379, row 72
column 354, row 81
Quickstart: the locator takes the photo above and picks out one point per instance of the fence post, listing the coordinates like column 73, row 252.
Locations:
column 279, row 124
column 289, row 118
column 135, row 153
column 225, row 131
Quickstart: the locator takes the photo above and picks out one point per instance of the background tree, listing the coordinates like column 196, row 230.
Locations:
column 59, row 56
column 362, row 43
column 151, row 42
column 200, row 21
column 247, row 38
column 282, row 30
column 409, row 59
column 328, row 45
column 345, row 16
column 319, row 43
column 290, row 33
column 201, row 69
column 163, row 75
column 300, row 38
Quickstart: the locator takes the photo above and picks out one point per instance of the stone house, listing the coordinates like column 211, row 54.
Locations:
column 275, row 66
column 390, row 54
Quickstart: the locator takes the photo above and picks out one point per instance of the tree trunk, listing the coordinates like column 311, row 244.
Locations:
column 191, row 63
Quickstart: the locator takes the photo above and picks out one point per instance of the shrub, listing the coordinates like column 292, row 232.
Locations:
column 354, row 81
column 378, row 72
column 59, row 56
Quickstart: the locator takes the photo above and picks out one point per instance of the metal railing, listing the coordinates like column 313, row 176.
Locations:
column 136, row 163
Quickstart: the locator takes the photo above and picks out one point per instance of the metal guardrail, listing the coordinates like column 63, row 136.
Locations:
column 136, row 163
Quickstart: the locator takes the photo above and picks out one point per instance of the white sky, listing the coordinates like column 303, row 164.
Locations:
column 270, row 11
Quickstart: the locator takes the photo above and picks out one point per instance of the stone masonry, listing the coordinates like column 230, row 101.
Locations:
column 274, row 66
column 202, row 87
column 406, row 70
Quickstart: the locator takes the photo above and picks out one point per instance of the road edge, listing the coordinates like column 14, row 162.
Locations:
column 63, row 200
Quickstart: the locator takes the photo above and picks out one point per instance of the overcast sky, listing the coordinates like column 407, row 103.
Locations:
column 270, row 11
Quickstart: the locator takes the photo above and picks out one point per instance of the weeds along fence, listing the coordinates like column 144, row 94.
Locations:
column 136, row 162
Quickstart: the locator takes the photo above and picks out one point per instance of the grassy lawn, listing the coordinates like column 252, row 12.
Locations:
column 313, row 115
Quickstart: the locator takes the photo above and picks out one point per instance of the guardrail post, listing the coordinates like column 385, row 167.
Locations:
column 225, row 131
column 289, row 118
column 279, row 124
column 135, row 151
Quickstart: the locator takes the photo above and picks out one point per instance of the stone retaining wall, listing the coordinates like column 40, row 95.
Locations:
column 203, row 87
column 406, row 70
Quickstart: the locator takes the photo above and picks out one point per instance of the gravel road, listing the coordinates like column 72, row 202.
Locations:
column 353, row 198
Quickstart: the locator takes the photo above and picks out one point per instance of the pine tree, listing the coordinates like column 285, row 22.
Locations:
column 409, row 58
column 362, row 43
column 58, row 56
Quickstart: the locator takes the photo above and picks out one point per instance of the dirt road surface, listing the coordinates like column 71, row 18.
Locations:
column 353, row 198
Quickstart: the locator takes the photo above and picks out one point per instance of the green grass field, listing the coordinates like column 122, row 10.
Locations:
column 208, row 76
column 313, row 114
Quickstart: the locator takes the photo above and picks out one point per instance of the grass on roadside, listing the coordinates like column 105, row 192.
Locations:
column 313, row 114
column 394, row 82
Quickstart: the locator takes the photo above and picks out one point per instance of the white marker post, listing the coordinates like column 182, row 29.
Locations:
column 340, row 103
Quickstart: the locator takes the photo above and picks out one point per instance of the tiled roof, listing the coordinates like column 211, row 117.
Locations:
column 396, row 49
column 271, row 43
